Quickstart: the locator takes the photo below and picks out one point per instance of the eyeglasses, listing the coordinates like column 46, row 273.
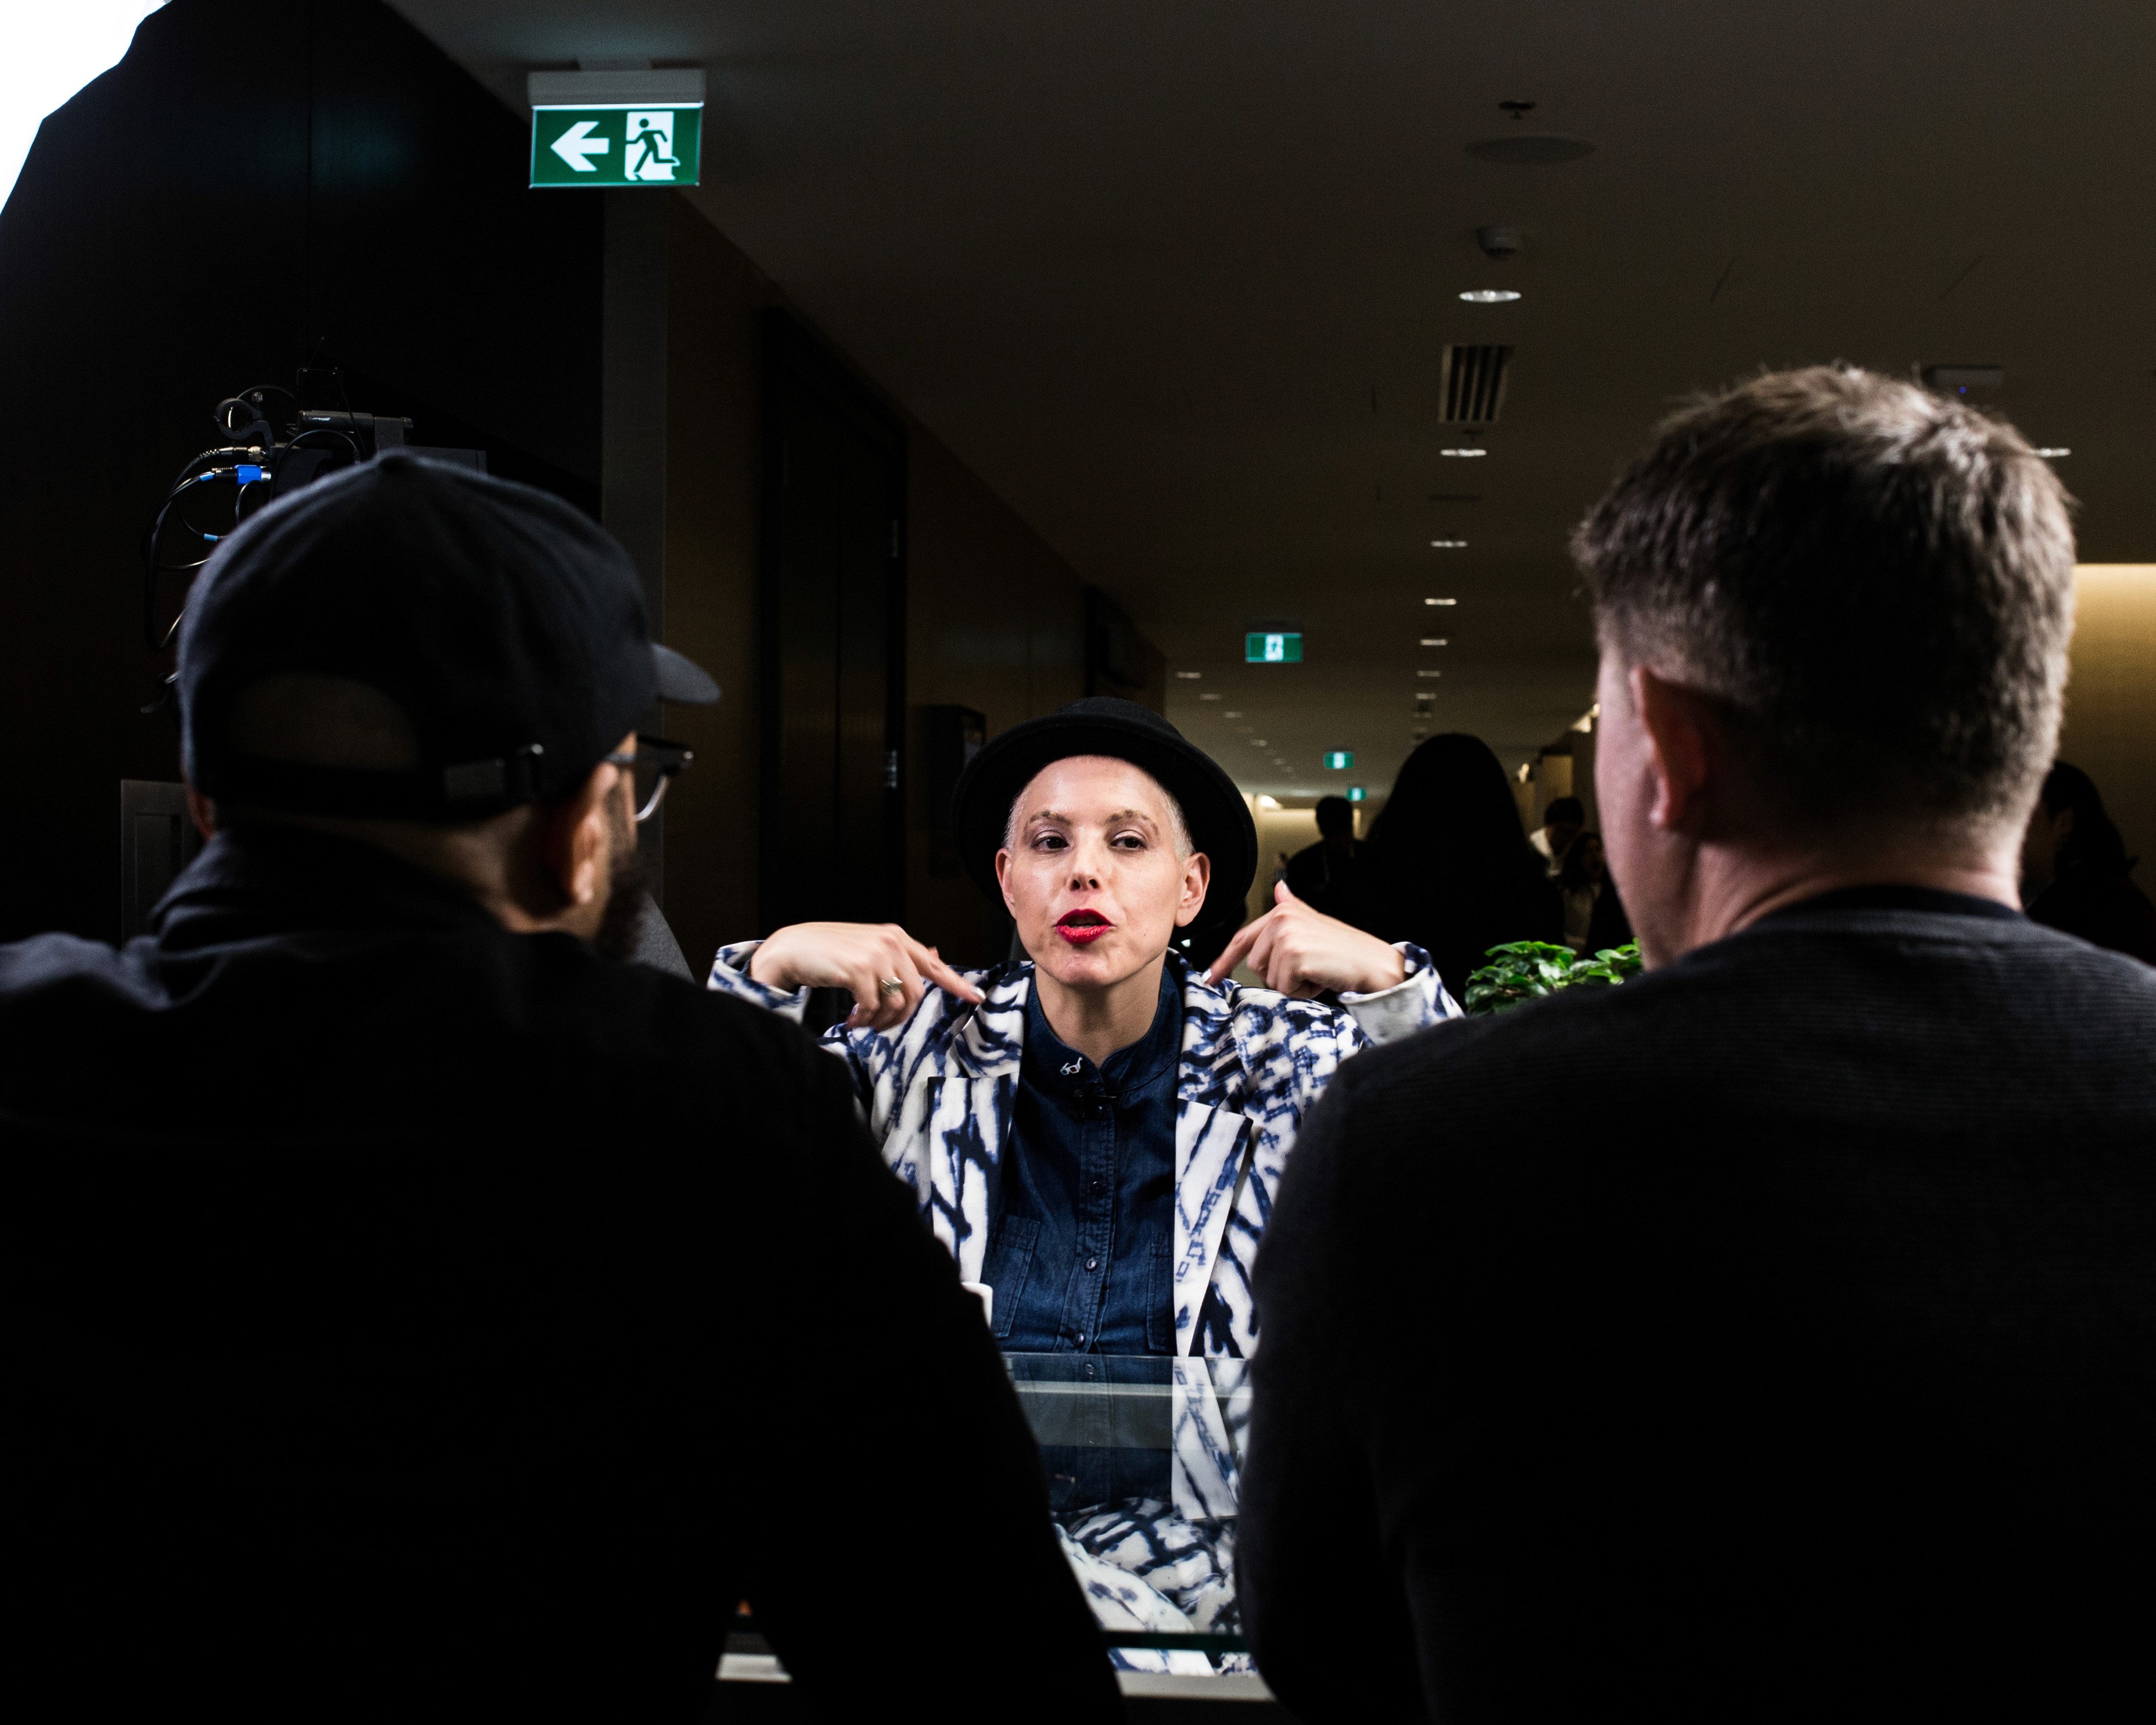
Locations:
column 651, row 769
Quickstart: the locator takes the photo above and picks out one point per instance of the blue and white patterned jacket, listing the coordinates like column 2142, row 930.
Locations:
column 937, row 1092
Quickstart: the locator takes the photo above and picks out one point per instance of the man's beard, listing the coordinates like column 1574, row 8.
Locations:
column 624, row 906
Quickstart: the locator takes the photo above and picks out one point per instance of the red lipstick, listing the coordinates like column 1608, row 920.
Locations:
column 1082, row 927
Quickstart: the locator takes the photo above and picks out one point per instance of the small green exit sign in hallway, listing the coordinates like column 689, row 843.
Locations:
column 616, row 128
column 1260, row 648
column 1339, row 760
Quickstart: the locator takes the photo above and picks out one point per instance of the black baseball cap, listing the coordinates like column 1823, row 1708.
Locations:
column 508, row 627
column 1219, row 819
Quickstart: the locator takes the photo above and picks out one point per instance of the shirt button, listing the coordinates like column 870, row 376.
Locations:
column 1092, row 1263
column 1100, row 1185
column 1081, row 1335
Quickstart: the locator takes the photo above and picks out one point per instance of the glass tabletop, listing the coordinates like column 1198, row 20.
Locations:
column 1143, row 1459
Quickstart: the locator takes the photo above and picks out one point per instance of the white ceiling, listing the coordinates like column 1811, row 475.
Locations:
column 1173, row 276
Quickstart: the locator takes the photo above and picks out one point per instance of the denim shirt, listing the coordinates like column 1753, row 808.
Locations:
column 1079, row 1254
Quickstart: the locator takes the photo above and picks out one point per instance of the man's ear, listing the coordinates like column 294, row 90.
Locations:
column 1003, row 880
column 1197, row 877
column 203, row 811
column 1680, row 740
column 574, row 843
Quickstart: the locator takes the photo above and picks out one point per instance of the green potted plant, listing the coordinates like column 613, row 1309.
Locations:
column 1522, row 971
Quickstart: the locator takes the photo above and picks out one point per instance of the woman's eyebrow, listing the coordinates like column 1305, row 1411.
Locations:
column 1050, row 815
column 1124, row 814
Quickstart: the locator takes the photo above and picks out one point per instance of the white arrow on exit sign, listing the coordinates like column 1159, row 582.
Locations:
column 577, row 146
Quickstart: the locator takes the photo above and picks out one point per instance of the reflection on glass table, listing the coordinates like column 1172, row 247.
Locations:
column 1143, row 1459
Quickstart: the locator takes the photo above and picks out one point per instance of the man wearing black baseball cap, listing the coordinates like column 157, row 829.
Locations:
column 1095, row 1132
column 415, row 1330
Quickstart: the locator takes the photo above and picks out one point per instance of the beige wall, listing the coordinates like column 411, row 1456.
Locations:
column 995, row 619
column 2111, row 698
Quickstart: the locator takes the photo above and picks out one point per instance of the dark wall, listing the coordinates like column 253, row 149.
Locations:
column 251, row 188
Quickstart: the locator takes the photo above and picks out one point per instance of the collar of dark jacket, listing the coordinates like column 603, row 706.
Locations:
column 261, row 882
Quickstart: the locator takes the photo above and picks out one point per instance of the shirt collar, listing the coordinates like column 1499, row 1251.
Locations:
column 1053, row 1065
column 253, row 882
column 1928, row 899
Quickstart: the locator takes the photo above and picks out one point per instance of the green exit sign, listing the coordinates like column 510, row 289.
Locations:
column 1339, row 760
column 616, row 128
column 1259, row 648
column 1354, row 794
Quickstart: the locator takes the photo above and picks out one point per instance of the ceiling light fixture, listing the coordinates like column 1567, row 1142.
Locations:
column 2055, row 454
column 1190, row 676
column 1448, row 544
column 1210, row 696
column 1435, row 640
column 1491, row 296
column 1225, row 716
column 1258, row 742
column 1463, row 454
column 1440, row 602
column 1429, row 672
column 1268, row 801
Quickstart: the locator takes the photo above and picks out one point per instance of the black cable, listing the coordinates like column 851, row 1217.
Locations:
column 153, row 565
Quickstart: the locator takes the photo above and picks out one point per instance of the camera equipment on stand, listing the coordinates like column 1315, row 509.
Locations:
column 273, row 446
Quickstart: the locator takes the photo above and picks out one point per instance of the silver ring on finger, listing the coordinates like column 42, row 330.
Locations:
column 889, row 985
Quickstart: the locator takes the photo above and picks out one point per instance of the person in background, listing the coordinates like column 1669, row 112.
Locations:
column 2076, row 875
column 1315, row 871
column 1594, row 919
column 1447, row 867
column 415, row 1313
column 1095, row 1132
column 1816, row 1381
column 1562, row 821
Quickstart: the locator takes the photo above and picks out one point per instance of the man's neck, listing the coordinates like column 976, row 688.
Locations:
column 479, row 859
column 1101, row 1022
column 1732, row 889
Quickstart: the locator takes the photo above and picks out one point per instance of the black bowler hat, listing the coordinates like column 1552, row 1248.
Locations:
column 508, row 627
column 1213, row 809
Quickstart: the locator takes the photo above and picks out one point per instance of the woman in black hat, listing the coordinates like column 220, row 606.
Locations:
column 1097, row 1131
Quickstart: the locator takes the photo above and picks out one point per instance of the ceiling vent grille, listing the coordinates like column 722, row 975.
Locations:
column 1473, row 383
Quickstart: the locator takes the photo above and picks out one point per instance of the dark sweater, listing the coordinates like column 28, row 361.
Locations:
column 1783, row 1344
column 418, row 1321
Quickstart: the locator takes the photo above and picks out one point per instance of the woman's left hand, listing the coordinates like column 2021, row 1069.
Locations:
column 1301, row 951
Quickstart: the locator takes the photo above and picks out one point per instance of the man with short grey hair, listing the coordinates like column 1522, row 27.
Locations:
column 1818, row 1379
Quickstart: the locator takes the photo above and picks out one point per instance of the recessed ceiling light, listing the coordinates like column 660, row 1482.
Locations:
column 1190, row 676
column 1268, row 801
column 1429, row 672
column 1490, row 296
column 1433, row 640
column 1448, row 544
column 1440, row 602
column 1258, row 742
column 1209, row 696
column 1464, row 454
column 2055, row 454
column 1225, row 716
